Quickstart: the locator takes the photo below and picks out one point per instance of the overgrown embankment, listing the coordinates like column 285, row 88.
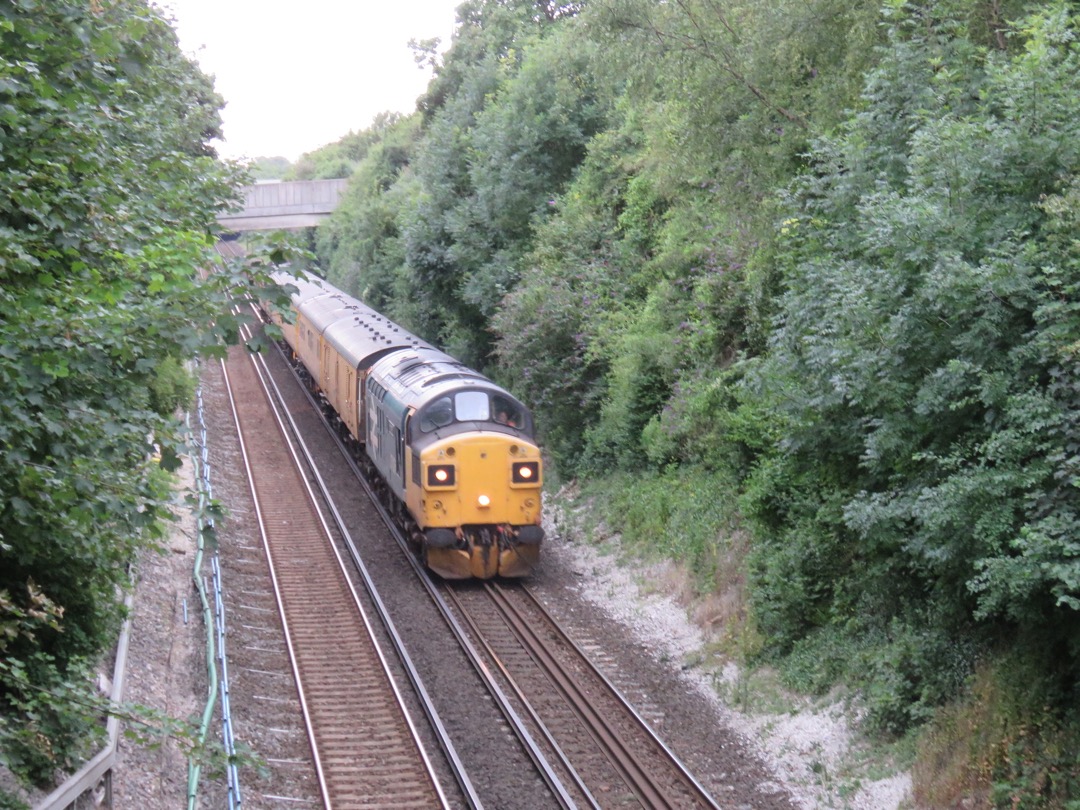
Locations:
column 801, row 274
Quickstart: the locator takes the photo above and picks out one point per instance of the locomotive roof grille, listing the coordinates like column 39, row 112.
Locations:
column 409, row 374
column 438, row 378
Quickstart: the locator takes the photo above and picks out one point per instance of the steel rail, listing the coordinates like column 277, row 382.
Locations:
column 621, row 756
column 298, row 448
column 413, row 673
column 319, row 773
column 638, row 719
column 524, row 700
column 516, row 724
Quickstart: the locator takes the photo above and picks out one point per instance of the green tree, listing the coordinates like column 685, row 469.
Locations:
column 917, row 370
column 108, row 192
column 549, row 322
column 360, row 246
column 491, row 158
column 338, row 160
column 270, row 168
column 687, row 209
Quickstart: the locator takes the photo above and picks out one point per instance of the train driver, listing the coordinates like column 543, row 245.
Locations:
column 506, row 412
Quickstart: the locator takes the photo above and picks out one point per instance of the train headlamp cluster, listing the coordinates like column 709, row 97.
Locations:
column 444, row 476
column 526, row 472
column 441, row 475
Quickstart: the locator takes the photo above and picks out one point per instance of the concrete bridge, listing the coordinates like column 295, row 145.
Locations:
column 275, row 206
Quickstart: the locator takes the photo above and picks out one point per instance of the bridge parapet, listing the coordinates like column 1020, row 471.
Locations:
column 293, row 204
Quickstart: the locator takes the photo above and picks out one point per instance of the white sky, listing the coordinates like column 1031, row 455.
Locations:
column 299, row 75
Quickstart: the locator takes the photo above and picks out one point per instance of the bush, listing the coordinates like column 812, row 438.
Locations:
column 42, row 729
column 172, row 387
column 1004, row 742
column 919, row 496
column 900, row 674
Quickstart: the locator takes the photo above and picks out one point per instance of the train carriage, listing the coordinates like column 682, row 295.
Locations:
column 313, row 318
column 455, row 451
column 306, row 290
column 350, row 345
column 336, row 338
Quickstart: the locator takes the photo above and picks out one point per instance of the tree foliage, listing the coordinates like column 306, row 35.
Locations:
column 920, row 363
column 109, row 191
column 361, row 244
column 338, row 160
column 269, row 168
column 820, row 250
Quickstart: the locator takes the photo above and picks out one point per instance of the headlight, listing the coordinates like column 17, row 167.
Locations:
column 526, row 472
column 441, row 475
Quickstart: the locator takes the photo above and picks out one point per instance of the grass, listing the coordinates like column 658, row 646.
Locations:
column 1000, row 746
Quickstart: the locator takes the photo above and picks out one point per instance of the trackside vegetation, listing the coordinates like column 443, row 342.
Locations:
column 108, row 193
column 792, row 287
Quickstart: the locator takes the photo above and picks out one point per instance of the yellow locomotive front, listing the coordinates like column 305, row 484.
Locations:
column 458, row 452
column 478, row 504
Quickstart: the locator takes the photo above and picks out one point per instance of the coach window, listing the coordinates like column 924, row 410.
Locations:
column 439, row 413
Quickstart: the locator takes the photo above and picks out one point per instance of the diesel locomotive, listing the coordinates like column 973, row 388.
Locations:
column 454, row 453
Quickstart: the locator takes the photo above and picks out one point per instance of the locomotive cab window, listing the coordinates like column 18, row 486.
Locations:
column 439, row 413
column 472, row 406
column 507, row 412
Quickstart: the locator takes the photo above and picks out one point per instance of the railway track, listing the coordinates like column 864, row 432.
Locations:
column 616, row 760
column 586, row 742
column 363, row 742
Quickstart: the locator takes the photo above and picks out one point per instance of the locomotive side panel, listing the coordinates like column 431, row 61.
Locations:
column 356, row 340
column 337, row 338
column 385, row 440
